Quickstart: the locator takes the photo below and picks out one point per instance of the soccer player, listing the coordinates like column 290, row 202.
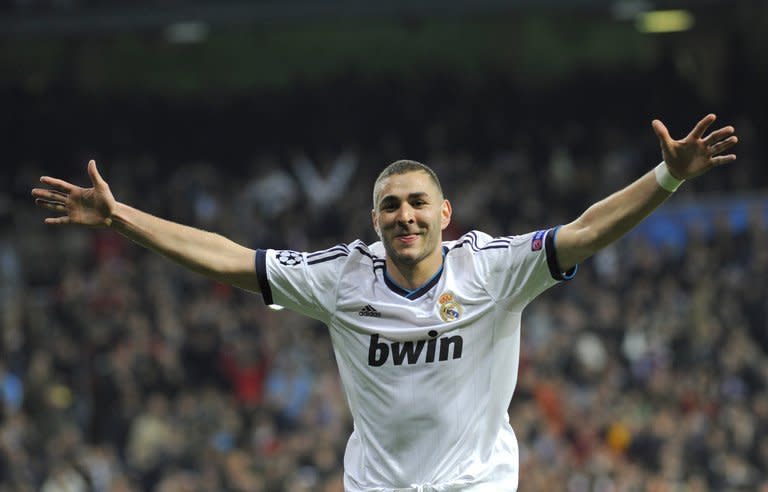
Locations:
column 426, row 333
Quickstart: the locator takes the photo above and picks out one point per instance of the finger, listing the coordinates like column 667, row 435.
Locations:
column 58, row 184
column 53, row 206
column 719, row 134
column 722, row 159
column 57, row 220
column 59, row 195
column 723, row 145
column 702, row 126
column 661, row 132
column 93, row 172
column 49, row 194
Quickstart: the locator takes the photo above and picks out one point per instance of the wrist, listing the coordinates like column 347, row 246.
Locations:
column 114, row 215
column 665, row 178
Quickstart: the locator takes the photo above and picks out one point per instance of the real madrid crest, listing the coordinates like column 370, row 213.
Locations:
column 450, row 309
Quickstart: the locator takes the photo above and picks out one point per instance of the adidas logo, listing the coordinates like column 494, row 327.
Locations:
column 369, row 311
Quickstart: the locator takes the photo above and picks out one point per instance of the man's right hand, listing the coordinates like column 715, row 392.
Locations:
column 86, row 206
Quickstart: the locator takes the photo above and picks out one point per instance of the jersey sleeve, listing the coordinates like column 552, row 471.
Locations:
column 303, row 282
column 519, row 268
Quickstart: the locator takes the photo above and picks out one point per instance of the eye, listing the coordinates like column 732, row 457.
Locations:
column 418, row 203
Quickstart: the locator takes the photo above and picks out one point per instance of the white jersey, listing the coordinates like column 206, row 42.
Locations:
column 429, row 373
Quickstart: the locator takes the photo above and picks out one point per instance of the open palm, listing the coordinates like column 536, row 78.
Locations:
column 86, row 206
column 696, row 154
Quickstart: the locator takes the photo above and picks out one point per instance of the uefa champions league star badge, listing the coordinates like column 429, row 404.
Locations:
column 450, row 309
column 289, row 258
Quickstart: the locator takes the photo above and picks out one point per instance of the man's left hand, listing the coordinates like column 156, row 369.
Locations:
column 696, row 153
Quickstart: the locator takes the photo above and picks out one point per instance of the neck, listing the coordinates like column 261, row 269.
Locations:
column 413, row 276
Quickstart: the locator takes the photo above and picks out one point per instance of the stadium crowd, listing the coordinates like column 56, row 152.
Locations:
column 119, row 371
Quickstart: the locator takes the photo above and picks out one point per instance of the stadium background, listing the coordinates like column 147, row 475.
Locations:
column 268, row 122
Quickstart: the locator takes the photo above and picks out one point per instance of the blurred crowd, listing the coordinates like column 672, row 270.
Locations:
column 120, row 371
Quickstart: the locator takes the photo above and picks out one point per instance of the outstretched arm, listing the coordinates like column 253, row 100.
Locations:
column 204, row 252
column 611, row 218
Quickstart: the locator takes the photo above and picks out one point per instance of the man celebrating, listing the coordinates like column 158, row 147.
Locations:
column 426, row 333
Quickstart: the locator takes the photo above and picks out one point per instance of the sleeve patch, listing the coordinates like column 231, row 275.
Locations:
column 538, row 240
column 289, row 258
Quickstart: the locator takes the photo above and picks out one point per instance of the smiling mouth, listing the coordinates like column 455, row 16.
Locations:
column 407, row 238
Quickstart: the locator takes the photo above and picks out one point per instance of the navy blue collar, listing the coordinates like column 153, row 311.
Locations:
column 418, row 291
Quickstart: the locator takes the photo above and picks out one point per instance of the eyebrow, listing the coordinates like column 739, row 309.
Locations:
column 393, row 198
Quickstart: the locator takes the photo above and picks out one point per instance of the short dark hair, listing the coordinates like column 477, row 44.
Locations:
column 401, row 167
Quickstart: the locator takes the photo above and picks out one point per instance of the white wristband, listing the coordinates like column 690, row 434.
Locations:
column 665, row 179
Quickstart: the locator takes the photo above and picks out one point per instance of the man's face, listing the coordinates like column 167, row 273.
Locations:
column 410, row 216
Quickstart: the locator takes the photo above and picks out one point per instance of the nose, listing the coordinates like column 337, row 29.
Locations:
column 405, row 214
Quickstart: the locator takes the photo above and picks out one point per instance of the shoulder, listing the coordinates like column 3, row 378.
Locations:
column 346, row 257
column 477, row 241
column 373, row 252
column 471, row 241
column 339, row 253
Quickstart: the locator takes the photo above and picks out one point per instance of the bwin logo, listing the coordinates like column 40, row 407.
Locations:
column 410, row 352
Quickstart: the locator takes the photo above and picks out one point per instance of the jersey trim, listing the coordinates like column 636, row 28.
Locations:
column 261, row 275
column 328, row 254
column 554, row 267
column 417, row 292
column 375, row 260
column 338, row 247
column 470, row 239
column 367, row 253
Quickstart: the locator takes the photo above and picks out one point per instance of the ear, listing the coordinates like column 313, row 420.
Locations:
column 445, row 214
column 375, row 222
